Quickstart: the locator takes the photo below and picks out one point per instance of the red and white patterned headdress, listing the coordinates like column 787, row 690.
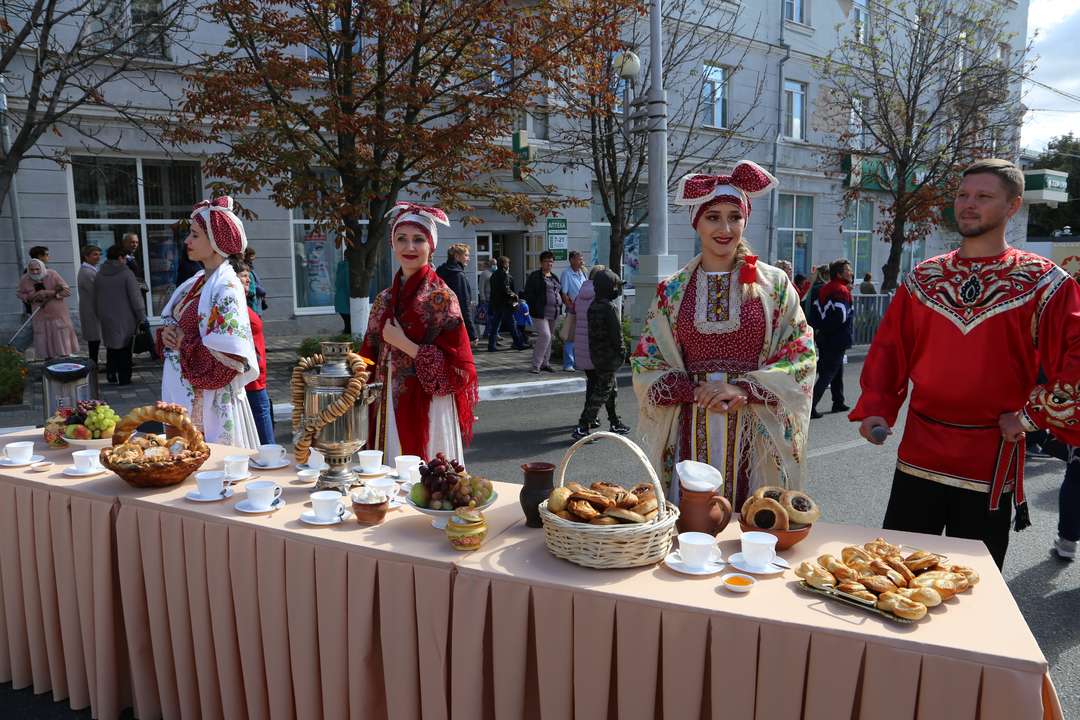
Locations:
column 424, row 217
column 700, row 192
column 222, row 226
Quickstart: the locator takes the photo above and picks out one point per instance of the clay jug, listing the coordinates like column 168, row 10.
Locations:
column 706, row 512
column 539, row 482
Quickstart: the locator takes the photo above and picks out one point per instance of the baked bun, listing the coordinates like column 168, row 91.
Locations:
column 815, row 575
column 928, row 596
column 901, row 606
column 558, row 498
column 800, row 507
column 920, row 561
column 623, row 514
column 773, row 492
column 767, row 514
column 898, row 565
column 603, row 520
column 878, row 584
column 838, row 569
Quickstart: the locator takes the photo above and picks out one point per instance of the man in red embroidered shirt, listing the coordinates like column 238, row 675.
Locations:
column 969, row 330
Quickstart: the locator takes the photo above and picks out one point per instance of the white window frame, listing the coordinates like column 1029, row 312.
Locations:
column 121, row 23
column 295, row 222
column 793, row 228
column 796, row 11
column 857, row 127
column 860, row 12
column 795, row 92
column 858, row 235
column 716, row 94
column 142, row 221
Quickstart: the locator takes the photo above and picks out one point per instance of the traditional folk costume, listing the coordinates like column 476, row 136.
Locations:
column 217, row 357
column 971, row 334
column 44, row 290
column 746, row 328
column 427, row 401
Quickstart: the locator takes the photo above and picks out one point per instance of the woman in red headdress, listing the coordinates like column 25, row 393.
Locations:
column 421, row 349
column 724, row 369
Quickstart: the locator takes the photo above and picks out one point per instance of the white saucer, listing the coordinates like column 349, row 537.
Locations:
column 308, row 516
column 382, row 471
column 245, row 507
column 231, row 480
column 8, row 462
column 675, row 562
column 302, row 466
column 275, row 466
column 72, row 471
column 739, row 564
column 396, row 502
column 194, row 496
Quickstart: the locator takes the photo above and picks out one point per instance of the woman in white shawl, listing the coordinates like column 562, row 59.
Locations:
column 725, row 365
column 206, row 337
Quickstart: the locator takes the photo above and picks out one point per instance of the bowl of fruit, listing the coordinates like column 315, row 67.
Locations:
column 89, row 424
column 445, row 486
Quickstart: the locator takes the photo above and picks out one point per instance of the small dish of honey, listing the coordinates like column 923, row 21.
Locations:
column 737, row 582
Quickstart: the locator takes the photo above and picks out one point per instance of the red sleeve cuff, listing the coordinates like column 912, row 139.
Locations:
column 673, row 388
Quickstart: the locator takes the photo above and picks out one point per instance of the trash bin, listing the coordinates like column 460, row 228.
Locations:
column 65, row 384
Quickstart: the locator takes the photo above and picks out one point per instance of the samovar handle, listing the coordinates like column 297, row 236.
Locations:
column 371, row 391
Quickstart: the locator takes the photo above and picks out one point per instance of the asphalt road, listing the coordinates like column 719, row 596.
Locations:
column 848, row 477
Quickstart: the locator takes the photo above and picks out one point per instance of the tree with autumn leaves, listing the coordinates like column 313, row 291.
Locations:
column 917, row 93
column 343, row 108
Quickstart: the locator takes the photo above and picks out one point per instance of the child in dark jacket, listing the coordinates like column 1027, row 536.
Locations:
column 608, row 355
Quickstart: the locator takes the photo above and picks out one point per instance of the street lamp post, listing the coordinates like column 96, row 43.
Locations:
column 657, row 264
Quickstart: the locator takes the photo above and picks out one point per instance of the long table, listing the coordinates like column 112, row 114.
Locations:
column 115, row 596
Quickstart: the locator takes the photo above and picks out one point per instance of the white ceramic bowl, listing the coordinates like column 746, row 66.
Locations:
column 439, row 518
column 99, row 443
column 738, row 588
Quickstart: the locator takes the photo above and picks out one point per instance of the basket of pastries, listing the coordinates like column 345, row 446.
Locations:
column 786, row 514
column 607, row 525
column 882, row 578
column 150, row 461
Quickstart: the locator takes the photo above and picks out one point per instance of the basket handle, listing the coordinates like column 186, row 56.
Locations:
column 661, row 499
column 173, row 415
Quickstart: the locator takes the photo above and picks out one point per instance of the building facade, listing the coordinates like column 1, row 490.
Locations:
column 98, row 197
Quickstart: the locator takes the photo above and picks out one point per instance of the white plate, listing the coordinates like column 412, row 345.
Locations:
column 8, row 462
column 739, row 564
column 91, row 443
column 675, row 562
column 308, row 516
column 275, row 466
column 194, row 496
column 303, row 466
column 440, row 517
column 72, row 471
column 245, row 506
column 382, row 471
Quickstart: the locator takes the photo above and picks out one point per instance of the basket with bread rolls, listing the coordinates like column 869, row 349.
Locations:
column 150, row 461
column 786, row 514
column 879, row 577
column 607, row 525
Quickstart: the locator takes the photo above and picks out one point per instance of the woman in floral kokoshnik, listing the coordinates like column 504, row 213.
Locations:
column 724, row 369
column 206, row 336
column 421, row 349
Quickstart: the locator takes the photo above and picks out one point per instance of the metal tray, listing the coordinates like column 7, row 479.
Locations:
column 852, row 601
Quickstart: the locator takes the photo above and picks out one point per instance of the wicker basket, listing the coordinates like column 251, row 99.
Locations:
column 166, row 472
column 611, row 546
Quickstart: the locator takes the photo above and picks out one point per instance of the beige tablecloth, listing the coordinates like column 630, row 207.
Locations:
column 231, row 615
column 535, row 636
column 60, row 619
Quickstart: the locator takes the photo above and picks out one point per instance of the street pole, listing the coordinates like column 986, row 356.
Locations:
column 13, row 188
column 657, row 265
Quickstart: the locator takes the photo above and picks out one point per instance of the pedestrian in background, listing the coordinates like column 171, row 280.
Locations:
column 788, row 269
column 341, row 295
column 254, row 286
column 129, row 244
column 38, row 252
column 452, row 273
column 572, row 279
column 866, row 287
column 258, row 398
column 543, row 292
column 802, row 285
column 483, row 297
column 819, row 279
column 121, row 311
column 44, row 291
column 88, row 320
column 503, row 301
column 832, row 317
column 606, row 355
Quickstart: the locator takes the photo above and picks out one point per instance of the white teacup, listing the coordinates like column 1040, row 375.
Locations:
column 236, row 466
column 402, row 463
column 211, row 483
column 384, row 484
column 21, row 451
column 261, row 494
column 326, row 504
column 696, row 548
column 758, row 548
column 308, row 475
column 271, row 454
column 85, row 460
column 414, row 475
column 316, row 459
column 370, row 460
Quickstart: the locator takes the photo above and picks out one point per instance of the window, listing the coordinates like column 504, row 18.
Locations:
column 632, row 243
column 534, row 122
column 714, row 91
column 316, row 254
column 912, row 254
column 795, row 231
column 794, row 110
column 857, row 126
column 858, row 229
column 141, row 22
column 861, row 15
column 795, row 11
column 117, row 195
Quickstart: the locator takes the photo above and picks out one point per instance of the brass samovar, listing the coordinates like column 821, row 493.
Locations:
column 331, row 399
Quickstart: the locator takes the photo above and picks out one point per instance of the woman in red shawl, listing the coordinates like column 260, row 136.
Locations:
column 421, row 347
